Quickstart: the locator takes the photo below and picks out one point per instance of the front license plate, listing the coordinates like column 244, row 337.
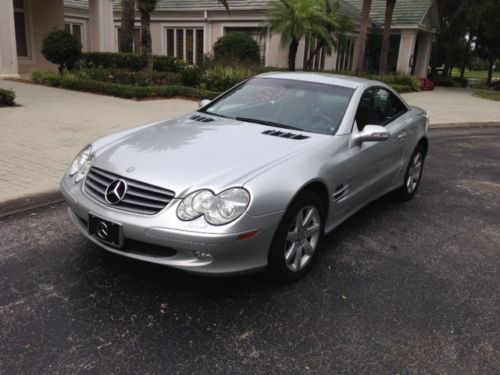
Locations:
column 105, row 230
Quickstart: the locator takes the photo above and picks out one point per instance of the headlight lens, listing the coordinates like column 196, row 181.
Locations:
column 218, row 209
column 81, row 164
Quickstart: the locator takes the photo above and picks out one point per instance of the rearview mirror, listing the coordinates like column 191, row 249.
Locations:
column 203, row 103
column 373, row 133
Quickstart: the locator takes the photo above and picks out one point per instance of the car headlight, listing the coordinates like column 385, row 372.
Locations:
column 218, row 209
column 81, row 165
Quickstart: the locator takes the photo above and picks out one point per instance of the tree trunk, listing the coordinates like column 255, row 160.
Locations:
column 292, row 54
column 127, row 26
column 490, row 70
column 146, row 39
column 312, row 55
column 386, row 38
column 363, row 29
column 466, row 56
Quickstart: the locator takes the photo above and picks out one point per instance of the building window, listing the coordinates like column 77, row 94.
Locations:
column 345, row 55
column 186, row 44
column 136, row 40
column 256, row 34
column 21, row 29
column 310, row 49
column 75, row 29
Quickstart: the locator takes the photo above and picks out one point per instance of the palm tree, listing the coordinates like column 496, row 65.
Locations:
column 335, row 35
column 127, row 26
column 363, row 29
column 295, row 19
column 386, row 38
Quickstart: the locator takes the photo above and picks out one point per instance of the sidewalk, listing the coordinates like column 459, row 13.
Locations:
column 39, row 138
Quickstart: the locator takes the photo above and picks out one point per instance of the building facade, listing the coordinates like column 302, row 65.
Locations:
column 187, row 29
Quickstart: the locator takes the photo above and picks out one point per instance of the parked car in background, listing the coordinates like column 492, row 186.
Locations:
column 254, row 179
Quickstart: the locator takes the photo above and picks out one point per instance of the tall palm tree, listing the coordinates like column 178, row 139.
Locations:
column 127, row 26
column 363, row 29
column 294, row 19
column 386, row 38
column 336, row 27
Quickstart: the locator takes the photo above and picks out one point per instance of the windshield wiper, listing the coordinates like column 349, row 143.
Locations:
column 268, row 123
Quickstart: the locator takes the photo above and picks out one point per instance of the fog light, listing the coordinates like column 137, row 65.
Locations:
column 201, row 255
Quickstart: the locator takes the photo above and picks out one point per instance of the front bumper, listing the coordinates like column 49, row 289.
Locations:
column 182, row 240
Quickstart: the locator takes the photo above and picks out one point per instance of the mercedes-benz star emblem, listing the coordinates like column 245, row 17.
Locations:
column 115, row 191
column 102, row 230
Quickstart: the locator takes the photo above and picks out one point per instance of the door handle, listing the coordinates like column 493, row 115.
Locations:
column 401, row 135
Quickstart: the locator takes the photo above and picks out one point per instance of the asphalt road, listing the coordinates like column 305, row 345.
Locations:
column 399, row 289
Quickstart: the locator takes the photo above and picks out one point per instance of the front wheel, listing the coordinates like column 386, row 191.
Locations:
column 412, row 176
column 297, row 239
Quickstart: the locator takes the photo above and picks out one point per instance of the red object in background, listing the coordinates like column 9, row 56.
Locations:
column 426, row 84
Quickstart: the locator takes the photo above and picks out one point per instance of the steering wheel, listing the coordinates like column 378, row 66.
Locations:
column 320, row 122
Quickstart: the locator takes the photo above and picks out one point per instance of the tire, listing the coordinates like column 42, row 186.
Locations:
column 287, row 245
column 412, row 176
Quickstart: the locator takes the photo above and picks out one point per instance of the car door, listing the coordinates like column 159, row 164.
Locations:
column 376, row 164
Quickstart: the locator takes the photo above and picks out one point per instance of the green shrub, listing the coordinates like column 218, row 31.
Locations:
column 191, row 76
column 168, row 64
column 61, row 48
column 114, row 60
column 236, row 45
column 141, row 78
column 496, row 85
column 7, row 97
column 402, row 88
column 70, row 81
column 222, row 78
column 444, row 81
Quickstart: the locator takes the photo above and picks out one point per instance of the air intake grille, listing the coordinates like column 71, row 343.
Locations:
column 201, row 118
column 139, row 198
column 280, row 134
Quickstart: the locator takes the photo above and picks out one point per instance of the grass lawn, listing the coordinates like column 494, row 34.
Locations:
column 488, row 94
column 480, row 74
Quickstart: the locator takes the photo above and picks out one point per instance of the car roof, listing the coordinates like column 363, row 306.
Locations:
column 325, row 78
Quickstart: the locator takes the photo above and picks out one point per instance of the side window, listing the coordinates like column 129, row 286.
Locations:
column 378, row 106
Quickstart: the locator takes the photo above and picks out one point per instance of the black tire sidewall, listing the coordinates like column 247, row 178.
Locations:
column 277, row 269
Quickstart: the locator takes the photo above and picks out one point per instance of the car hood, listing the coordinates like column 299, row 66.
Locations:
column 184, row 154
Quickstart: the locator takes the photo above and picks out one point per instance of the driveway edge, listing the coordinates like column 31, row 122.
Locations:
column 455, row 125
column 30, row 201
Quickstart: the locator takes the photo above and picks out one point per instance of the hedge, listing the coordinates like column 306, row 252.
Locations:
column 127, row 77
column 7, row 97
column 130, row 61
column 115, row 89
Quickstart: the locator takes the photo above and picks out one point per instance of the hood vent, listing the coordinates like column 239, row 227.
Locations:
column 278, row 133
column 201, row 118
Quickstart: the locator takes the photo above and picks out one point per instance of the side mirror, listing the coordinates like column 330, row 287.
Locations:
column 203, row 103
column 373, row 133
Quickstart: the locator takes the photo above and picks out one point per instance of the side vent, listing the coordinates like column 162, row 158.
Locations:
column 201, row 118
column 340, row 192
column 277, row 133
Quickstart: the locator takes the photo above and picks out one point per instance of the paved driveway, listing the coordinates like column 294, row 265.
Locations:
column 408, row 288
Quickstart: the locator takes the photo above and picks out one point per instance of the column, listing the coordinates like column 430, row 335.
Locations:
column 102, row 30
column 406, row 49
column 8, row 50
column 423, row 55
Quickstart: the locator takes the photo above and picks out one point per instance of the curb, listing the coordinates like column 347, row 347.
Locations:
column 454, row 125
column 29, row 202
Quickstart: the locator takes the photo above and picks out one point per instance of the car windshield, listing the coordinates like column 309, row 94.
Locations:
column 307, row 106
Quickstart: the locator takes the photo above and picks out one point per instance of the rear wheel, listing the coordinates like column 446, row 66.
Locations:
column 412, row 176
column 297, row 239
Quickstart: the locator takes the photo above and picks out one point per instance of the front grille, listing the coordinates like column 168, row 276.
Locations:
column 140, row 197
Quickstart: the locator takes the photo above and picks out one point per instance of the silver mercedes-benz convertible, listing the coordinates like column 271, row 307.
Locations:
column 252, row 180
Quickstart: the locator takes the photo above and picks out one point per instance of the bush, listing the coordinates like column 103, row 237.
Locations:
column 7, row 97
column 222, row 78
column 61, row 48
column 73, row 82
column 168, row 64
column 114, row 60
column 141, row 78
column 191, row 76
column 444, row 81
column 236, row 45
